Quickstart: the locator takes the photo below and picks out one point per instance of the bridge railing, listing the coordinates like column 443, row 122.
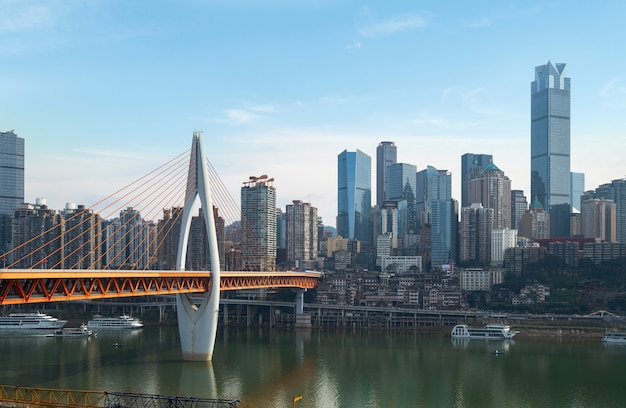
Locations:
column 88, row 399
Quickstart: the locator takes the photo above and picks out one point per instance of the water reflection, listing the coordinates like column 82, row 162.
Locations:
column 492, row 346
column 330, row 369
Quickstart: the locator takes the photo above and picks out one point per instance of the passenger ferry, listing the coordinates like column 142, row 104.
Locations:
column 614, row 338
column 27, row 322
column 120, row 322
column 489, row 332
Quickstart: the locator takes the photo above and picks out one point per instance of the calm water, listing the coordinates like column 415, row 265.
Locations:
column 267, row 368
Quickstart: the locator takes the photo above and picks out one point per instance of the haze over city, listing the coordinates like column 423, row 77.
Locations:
column 103, row 92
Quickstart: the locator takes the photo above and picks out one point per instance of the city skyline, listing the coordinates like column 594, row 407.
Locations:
column 103, row 92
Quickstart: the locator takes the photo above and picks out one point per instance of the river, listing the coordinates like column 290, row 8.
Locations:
column 268, row 368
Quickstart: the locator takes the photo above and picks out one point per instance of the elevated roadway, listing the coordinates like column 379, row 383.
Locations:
column 21, row 286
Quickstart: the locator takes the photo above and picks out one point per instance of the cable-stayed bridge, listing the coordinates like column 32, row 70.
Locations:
column 83, row 254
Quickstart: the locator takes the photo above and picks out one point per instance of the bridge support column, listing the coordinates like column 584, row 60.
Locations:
column 197, row 324
column 303, row 320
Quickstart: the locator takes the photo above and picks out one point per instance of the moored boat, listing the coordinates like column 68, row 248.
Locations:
column 614, row 338
column 29, row 323
column 489, row 332
column 119, row 322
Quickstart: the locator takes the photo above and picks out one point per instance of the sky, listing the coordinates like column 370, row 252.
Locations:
column 104, row 91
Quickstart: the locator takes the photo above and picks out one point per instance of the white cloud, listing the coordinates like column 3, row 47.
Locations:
column 369, row 24
column 21, row 16
column 354, row 45
column 483, row 22
column 239, row 116
column 613, row 86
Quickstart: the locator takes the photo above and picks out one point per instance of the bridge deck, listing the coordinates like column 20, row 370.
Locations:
column 19, row 286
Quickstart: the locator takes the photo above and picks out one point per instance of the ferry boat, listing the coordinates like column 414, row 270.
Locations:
column 614, row 338
column 489, row 332
column 120, row 322
column 27, row 322
column 82, row 331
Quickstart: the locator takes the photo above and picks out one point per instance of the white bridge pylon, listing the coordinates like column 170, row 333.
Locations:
column 197, row 324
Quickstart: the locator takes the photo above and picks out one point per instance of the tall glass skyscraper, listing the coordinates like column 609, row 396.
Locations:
column 550, row 144
column 11, row 172
column 576, row 189
column 437, row 209
column 354, row 196
column 401, row 186
column 11, row 184
column 386, row 155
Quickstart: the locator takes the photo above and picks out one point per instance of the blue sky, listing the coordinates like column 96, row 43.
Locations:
column 105, row 91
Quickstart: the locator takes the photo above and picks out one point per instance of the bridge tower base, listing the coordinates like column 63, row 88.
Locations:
column 197, row 323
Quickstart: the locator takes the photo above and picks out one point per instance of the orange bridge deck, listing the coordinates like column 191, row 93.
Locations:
column 20, row 286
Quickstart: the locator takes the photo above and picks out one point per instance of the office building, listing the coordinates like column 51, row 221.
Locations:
column 576, row 190
column 501, row 240
column 437, row 216
column 401, row 186
column 599, row 219
column 11, row 172
column 386, row 155
column 550, row 144
column 354, row 196
column 389, row 222
column 519, row 205
column 491, row 188
column 258, row 221
column 615, row 191
column 11, row 184
column 470, row 164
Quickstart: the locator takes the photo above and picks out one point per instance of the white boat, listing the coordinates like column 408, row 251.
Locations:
column 489, row 332
column 120, row 322
column 614, row 338
column 29, row 322
column 82, row 331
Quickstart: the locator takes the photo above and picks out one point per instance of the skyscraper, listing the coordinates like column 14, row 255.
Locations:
column 437, row 215
column 258, row 221
column 301, row 240
column 401, row 186
column 470, row 164
column 386, row 155
column 354, row 196
column 599, row 219
column 519, row 205
column 11, row 172
column 11, row 184
column 616, row 191
column 576, row 189
column 475, row 234
column 550, row 144
column 491, row 188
